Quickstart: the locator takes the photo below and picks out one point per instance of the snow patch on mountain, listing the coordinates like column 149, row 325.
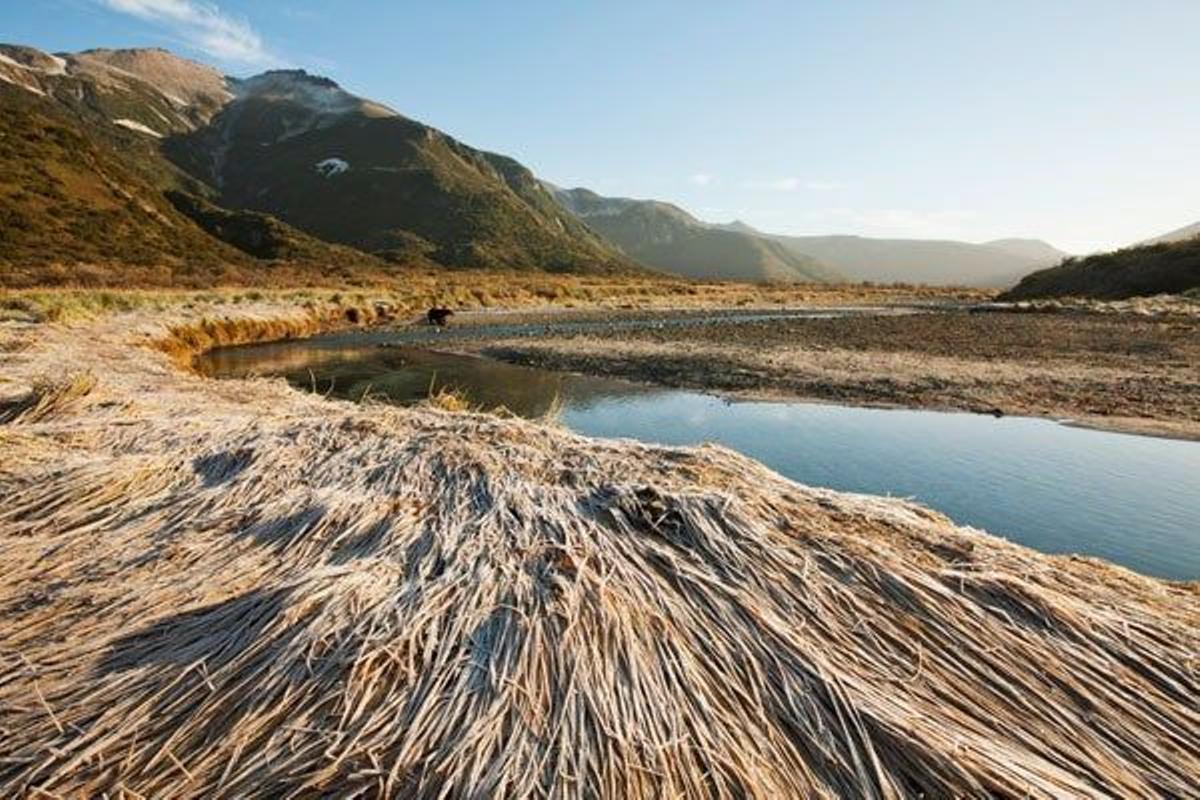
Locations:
column 58, row 66
column 332, row 166
column 134, row 125
column 315, row 93
column 24, row 86
column 55, row 65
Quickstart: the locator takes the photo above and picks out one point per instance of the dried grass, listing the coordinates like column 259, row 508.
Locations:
column 47, row 397
column 447, row 399
column 236, row 589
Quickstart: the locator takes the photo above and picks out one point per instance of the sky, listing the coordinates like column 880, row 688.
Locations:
column 1076, row 122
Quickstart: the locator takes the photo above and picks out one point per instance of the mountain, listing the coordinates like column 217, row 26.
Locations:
column 1179, row 235
column 997, row 263
column 299, row 149
column 77, row 208
column 928, row 261
column 666, row 237
column 1037, row 252
column 1169, row 267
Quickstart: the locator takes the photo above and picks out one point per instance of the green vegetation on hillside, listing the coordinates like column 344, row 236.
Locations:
column 71, row 208
column 92, row 141
column 88, row 206
column 1166, row 268
column 408, row 190
column 263, row 236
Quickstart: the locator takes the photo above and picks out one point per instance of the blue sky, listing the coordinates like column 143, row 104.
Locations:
column 1076, row 122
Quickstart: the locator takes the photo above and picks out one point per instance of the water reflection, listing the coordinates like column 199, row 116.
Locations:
column 407, row 375
column 1130, row 499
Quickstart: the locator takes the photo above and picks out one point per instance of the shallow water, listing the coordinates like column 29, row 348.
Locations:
column 1129, row 499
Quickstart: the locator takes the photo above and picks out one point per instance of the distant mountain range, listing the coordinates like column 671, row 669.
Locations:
column 142, row 157
column 666, row 237
column 927, row 261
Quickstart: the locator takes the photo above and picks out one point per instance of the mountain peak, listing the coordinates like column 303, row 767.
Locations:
column 31, row 58
column 315, row 93
column 296, row 75
column 182, row 81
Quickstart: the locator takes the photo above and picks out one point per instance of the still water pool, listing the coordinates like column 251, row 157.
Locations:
column 1130, row 499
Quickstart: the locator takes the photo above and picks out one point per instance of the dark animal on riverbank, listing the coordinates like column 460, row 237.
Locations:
column 439, row 316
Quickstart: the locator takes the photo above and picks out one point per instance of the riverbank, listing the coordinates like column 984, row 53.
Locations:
column 1107, row 366
column 233, row 588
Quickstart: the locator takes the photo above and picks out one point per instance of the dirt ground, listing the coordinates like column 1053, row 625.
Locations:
column 1120, row 371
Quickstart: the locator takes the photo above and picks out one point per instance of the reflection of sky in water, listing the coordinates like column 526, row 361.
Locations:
column 1131, row 499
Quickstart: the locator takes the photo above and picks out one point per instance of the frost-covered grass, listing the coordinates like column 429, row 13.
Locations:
column 230, row 588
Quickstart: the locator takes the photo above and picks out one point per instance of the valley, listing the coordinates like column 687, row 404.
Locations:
column 342, row 458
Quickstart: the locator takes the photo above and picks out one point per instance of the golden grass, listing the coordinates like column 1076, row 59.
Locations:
column 417, row 291
column 235, row 589
column 445, row 399
column 46, row 397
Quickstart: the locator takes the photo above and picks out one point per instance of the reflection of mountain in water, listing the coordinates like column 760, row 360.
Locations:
column 406, row 375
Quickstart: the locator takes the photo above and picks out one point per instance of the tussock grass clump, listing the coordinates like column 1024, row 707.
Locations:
column 48, row 396
column 553, row 415
column 185, row 341
column 448, row 399
column 244, row 590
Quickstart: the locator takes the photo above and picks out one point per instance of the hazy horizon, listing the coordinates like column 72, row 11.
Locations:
column 928, row 120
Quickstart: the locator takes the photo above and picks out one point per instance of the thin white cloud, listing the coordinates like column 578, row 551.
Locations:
column 792, row 184
column 702, row 179
column 784, row 184
column 202, row 26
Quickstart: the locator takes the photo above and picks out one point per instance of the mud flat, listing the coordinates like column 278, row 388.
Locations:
column 226, row 588
column 1128, row 367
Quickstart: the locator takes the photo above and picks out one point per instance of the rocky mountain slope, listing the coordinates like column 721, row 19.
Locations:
column 666, row 237
column 297, row 148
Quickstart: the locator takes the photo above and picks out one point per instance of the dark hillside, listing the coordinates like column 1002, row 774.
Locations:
column 1166, row 268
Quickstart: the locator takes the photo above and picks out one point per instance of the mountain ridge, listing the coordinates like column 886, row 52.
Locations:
column 352, row 172
column 664, row 236
column 995, row 264
column 77, row 208
column 1177, row 235
column 264, row 145
column 929, row 261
